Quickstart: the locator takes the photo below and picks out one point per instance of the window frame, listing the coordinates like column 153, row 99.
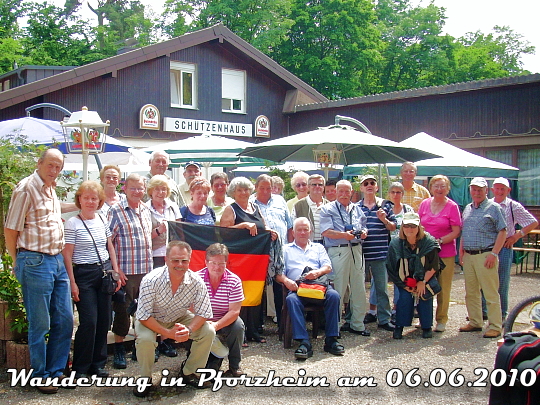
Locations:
column 241, row 76
column 178, row 69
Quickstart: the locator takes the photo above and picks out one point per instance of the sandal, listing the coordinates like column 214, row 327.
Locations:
column 256, row 338
column 303, row 352
column 335, row 348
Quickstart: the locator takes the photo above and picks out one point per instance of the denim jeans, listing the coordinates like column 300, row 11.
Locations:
column 47, row 299
column 405, row 310
column 379, row 277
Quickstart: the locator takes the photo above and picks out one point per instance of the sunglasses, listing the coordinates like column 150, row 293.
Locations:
column 317, row 185
column 301, row 184
column 369, row 183
column 409, row 226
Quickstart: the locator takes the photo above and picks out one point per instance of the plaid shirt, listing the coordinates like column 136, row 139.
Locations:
column 132, row 237
column 515, row 213
column 415, row 196
column 35, row 212
column 157, row 300
column 481, row 225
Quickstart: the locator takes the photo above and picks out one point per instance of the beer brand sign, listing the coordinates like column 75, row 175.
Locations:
column 262, row 127
column 149, row 117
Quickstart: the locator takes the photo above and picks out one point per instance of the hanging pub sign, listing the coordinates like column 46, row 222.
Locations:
column 212, row 127
column 262, row 127
column 149, row 117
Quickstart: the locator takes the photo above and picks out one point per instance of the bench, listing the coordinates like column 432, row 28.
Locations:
column 525, row 257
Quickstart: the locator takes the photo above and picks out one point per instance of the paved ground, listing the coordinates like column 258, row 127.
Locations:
column 379, row 356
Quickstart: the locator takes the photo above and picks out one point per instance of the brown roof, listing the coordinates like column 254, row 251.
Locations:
column 425, row 91
column 113, row 64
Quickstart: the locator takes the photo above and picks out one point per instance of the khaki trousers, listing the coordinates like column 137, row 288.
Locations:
column 443, row 298
column 479, row 278
column 200, row 348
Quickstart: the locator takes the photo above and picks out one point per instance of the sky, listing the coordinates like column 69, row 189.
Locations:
column 464, row 16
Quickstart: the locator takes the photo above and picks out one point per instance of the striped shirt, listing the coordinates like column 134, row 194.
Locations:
column 481, row 225
column 84, row 251
column 515, row 213
column 34, row 211
column 229, row 291
column 157, row 300
column 132, row 237
column 375, row 246
column 415, row 195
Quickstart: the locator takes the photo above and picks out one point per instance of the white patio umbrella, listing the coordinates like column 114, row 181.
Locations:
column 208, row 150
column 333, row 145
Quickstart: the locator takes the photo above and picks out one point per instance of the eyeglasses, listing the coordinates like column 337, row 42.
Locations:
column 317, row 185
column 136, row 189
column 369, row 183
column 409, row 226
column 301, row 184
column 218, row 264
column 115, row 178
column 396, row 192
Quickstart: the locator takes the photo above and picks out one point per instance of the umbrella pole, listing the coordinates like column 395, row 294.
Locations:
column 85, row 165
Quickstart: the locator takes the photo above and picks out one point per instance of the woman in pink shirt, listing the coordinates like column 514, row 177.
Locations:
column 442, row 219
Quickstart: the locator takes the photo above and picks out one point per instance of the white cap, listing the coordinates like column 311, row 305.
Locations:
column 501, row 180
column 479, row 181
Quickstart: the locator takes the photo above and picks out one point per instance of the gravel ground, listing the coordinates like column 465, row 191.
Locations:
column 378, row 356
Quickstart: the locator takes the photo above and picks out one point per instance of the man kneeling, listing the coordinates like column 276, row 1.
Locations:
column 165, row 296
column 297, row 255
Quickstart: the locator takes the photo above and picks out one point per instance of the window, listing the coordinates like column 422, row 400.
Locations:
column 233, row 91
column 183, row 85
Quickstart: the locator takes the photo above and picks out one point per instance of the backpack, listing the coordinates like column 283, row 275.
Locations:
column 519, row 357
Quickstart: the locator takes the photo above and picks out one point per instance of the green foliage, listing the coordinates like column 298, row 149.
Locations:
column 333, row 45
column 285, row 175
column 17, row 160
column 10, row 292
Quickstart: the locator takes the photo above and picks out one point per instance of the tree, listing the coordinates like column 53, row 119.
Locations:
column 53, row 38
column 496, row 54
column 333, row 45
column 262, row 23
column 415, row 53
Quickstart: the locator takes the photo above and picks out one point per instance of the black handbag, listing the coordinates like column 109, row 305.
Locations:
column 432, row 289
column 110, row 277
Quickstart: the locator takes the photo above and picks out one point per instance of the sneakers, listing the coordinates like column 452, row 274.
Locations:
column 119, row 356
column 370, row 318
column 469, row 328
column 492, row 333
column 165, row 347
column 441, row 327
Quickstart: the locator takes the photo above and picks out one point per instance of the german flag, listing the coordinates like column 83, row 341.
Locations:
column 248, row 255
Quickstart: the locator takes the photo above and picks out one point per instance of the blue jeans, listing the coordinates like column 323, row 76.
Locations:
column 405, row 310
column 295, row 305
column 373, row 295
column 505, row 264
column 47, row 299
column 379, row 278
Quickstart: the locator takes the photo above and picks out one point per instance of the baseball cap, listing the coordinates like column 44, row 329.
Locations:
column 367, row 177
column 411, row 218
column 192, row 163
column 501, row 180
column 479, row 181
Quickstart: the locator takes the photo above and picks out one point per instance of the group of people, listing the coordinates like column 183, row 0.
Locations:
column 410, row 237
